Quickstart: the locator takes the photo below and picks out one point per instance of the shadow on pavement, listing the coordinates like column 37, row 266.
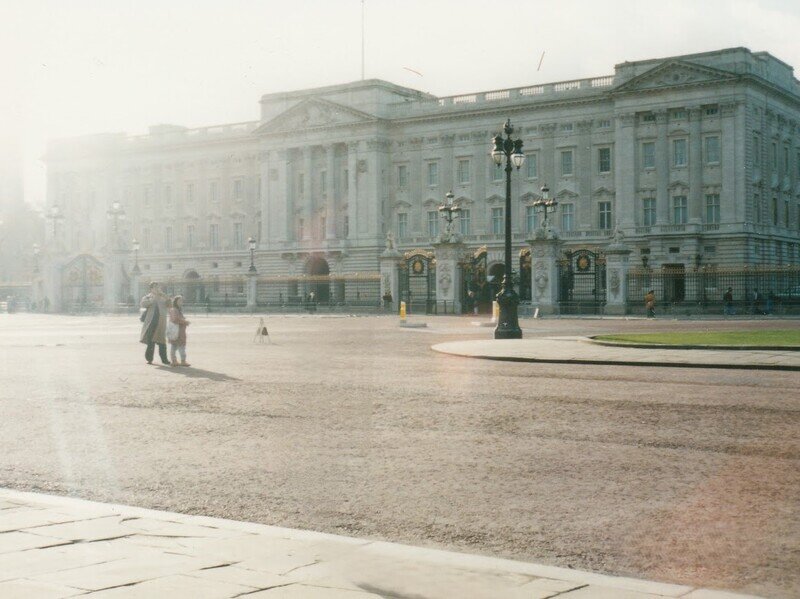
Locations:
column 198, row 373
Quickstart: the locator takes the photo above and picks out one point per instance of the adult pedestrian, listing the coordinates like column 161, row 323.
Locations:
column 154, row 324
column 178, row 344
column 756, row 308
column 650, row 303
column 727, row 300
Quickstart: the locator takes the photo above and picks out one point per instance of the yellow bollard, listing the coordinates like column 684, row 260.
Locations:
column 402, row 311
column 495, row 311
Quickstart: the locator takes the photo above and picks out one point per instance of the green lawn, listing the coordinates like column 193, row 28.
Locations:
column 776, row 337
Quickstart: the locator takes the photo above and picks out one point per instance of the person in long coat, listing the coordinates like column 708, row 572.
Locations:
column 154, row 325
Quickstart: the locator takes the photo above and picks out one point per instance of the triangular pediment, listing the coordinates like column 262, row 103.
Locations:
column 494, row 199
column 675, row 73
column 529, row 197
column 314, row 113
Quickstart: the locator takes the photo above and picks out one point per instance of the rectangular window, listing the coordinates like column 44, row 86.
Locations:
column 567, row 217
column 604, row 160
column 402, row 176
column 465, row 222
column 786, row 213
column 566, row 163
column 712, row 150
column 566, row 127
column 712, row 208
column 712, row 111
column 785, row 160
column 433, row 223
column 532, row 166
column 775, row 211
column 757, row 207
column 323, row 221
column 604, row 124
column 189, row 193
column 346, row 227
column 678, row 152
column 238, row 236
column 238, row 189
column 213, row 236
column 301, row 228
column 189, row 237
column 679, row 210
column 463, row 171
column 168, row 195
column 756, row 150
column 649, row 212
column 323, row 182
column 433, row 174
column 402, row 225
column 346, row 180
column 301, row 185
column 531, row 219
column 498, row 172
column 168, row 239
column 649, row 118
column 213, row 194
column 774, row 156
column 604, row 214
column 497, row 221
column 649, row 154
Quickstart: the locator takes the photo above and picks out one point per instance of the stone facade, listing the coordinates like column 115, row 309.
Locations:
column 694, row 159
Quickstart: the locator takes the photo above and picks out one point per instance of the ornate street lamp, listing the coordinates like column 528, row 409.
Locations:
column 55, row 215
column 545, row 205
column 135, row 245
column 509, row 150
column 115, row 214
column 449, row 210
column 252, row 243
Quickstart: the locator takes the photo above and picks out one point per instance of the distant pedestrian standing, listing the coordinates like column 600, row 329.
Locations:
column 756, row 305
column 650, row 303
column 727, row 300
column 178, row 344
column 154, row 323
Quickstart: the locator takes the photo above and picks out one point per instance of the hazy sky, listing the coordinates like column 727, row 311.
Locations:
column 73, row 67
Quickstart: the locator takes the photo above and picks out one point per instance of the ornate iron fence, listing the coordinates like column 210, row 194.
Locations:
column 308, row 292
column 754, row 289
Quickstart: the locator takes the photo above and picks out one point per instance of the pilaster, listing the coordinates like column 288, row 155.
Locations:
column 448, row 274
column 545, row 252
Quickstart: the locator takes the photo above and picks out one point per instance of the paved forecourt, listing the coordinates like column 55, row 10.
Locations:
column 581, row 350
column 53, row 547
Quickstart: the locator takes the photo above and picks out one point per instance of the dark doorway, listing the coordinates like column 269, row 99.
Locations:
column 319, row 280
column 193, row 289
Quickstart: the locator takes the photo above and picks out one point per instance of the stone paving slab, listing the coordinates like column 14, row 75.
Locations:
column 580, row 350
column 66, row 552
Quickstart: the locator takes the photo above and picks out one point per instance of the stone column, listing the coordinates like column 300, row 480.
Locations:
column 545, row 252
column 617, row 265
column 264, row 201
column 352, row 190
column 662, row 169
column 448, row 274
column 308, row 192
column 625, row 170
column 330, row 200
column 695, row 167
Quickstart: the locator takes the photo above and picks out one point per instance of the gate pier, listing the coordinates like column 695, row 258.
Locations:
column 449, row 255
column 617, row 265
column 545, row 249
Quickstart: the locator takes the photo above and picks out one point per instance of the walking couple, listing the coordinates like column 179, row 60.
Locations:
column 163, row 320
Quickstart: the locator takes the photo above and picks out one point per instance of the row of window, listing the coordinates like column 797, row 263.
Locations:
column 237, row 192
column 214, row 240
column 322, row 223
column 777, row 215
column 774, row 160
column 497, row 221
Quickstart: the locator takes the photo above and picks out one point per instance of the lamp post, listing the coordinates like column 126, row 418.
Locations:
column 449, row 210
column 252, row 244
column 116, row 213
column 135, row 245
column 36, row 251
column 55, row 215
column 545, row 205
column 509, row 150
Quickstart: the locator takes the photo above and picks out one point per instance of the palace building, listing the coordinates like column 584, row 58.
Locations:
column 694, row 160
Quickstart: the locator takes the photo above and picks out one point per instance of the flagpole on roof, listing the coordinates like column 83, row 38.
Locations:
column 362, row 39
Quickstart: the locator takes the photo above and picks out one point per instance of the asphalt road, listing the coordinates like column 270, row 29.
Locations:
column 354, row 426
